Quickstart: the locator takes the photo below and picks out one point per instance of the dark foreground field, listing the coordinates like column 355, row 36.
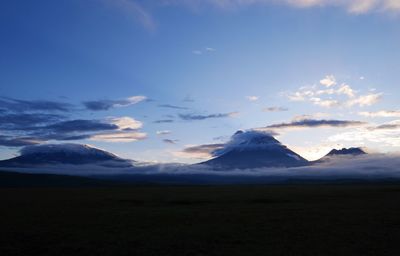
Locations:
column 270, row 220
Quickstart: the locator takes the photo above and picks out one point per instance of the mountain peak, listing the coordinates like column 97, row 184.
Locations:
column 346, row 151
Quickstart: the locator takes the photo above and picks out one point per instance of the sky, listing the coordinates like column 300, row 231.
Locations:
column 172, row 80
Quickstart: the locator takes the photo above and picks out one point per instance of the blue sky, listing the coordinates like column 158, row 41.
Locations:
column 149, row 80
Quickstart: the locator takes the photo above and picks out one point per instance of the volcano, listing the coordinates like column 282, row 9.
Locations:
column 54, row 154
column 254, row 149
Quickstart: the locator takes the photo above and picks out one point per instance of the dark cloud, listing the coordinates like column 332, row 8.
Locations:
column 81, row 126
column 312, row 123
column 169, row 141
column 106, row 130
column 205, row 149
column 26, row 121
column 172, row 106
column 98, row 105
column 275, row 109
column 387, row 127
column 190, row 117
column 163, row 121
column 17, row 141
column 15, row 105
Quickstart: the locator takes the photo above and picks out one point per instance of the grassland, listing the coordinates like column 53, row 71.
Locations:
column 201, row 220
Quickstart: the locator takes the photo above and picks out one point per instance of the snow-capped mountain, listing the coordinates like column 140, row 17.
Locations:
column 53, row 154
column 254, row 149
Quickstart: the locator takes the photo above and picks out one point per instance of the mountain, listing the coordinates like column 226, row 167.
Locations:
column 254, row 149
column 54, row 154
column 346, row 151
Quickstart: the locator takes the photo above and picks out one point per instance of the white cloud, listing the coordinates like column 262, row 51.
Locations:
column 164, row 132
column 365, row 100
column 346, row 90
column 342, row 95
column 328, row 81
column 197, row 52
column 126, row 123
column 121, row 136
column 382, row 113
column 324, row 103
column 387, row 134
column 136, row 99
column 252, row 98
column 128, row 131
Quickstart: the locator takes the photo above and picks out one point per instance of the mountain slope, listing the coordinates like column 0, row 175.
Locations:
column 53, row 154
column 254, row 149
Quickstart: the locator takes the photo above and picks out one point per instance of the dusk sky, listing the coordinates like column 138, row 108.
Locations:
column 170, row 80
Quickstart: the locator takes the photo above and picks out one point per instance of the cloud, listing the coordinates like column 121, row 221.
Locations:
column 333, row 94
column 134, row 10
column 165, row 132
column 172, row 106
column 204, row 51
column 16, row 105
column 313, row 123
column 328, row 81
column 199, row 151
column 117, row 129
column 17, row 141
column 382, row 113
column 26, row 129
column 80, row 126
column 351, row 6
column 119, row 136
column 101, row 105
column 190, row 117
column 275, row 109
column 126, row 123
column 169, row 141
column 383, row 135
column 162, row 121
column 248, row 139
column 365, row 100
column 393, row 125
column 252, row 98
column 26, row 121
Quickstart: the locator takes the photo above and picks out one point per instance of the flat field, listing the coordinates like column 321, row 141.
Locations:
column 201, row 220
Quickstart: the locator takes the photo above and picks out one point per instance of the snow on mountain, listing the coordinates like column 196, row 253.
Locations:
column 254, row 149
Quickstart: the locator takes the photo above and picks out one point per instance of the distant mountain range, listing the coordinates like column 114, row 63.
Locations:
column 245, row 150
